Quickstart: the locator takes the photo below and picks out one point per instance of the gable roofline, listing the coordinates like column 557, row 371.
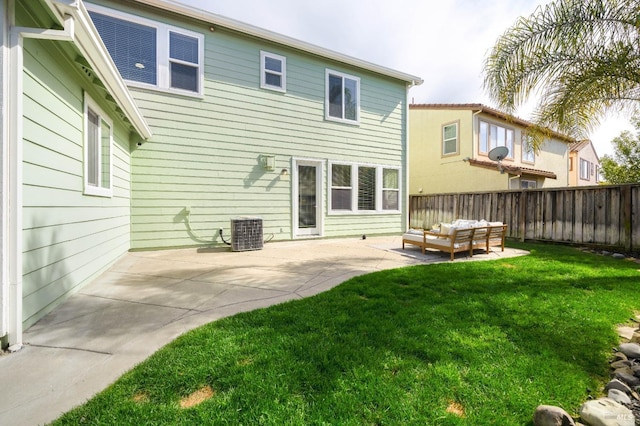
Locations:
column 88, row 42
column 579, row 146
column 232, row 24
column 492, row 112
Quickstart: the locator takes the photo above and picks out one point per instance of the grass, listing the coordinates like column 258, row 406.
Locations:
column 474, row 343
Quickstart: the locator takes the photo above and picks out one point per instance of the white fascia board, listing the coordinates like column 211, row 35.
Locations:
column 88, row 41
column 215, row 19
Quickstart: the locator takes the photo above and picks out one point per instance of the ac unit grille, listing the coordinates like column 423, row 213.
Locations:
column 246, row 233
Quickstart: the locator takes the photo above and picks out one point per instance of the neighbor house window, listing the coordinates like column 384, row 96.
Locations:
column 585, row 167
column 360, row 188
column 98, row 137
column 528, row 184
column 450, row 139
column 342, row 98
column 273, row 71
column 492, row 135
column 528, row 152
column 152, row 54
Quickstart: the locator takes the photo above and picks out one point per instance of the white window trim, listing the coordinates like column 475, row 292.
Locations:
column 89, row 104
column 263, row 71
column 456, row 124
column 535, row 183
column 328, row 117
column 354, row 189
column 587, row 163
column 162, row 51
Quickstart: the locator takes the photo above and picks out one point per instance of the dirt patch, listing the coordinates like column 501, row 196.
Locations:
column 197, row 397
column 141, row 397
column 456, row 409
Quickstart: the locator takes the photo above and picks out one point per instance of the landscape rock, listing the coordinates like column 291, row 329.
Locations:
column 629, row 379
column 621, row 364
column 631, row 350
column 635, row 338
column 618, row 356
column 606, row 412
column 619, row 256
column 617, row 384
column 619, row 396
column 548, row 415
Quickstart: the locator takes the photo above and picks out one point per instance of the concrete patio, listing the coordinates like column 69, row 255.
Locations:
column 147, row 299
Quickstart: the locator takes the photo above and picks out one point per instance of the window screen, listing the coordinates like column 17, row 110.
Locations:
column 132, row 47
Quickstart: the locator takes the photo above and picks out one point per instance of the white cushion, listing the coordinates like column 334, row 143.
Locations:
column 415, row 231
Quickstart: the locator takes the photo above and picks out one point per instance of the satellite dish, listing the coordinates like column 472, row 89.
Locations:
column 498, row 153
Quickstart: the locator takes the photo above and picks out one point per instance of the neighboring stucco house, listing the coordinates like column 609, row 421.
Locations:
column 449, row 146
column 147, row 124
column 584, row 164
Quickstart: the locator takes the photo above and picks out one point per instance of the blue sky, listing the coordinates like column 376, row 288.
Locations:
column 443, row 42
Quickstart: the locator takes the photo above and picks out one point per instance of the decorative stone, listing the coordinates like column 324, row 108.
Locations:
column 548, row 415
column 619, row 356
column 631, row 350
column 629, row 379
column 635, row 338
column 619, row 396
column 620, row 364
column 617, row 384
column 636, row 370
column 619, row 256
column 622, row 370
column 606, row 412
column 605, row 253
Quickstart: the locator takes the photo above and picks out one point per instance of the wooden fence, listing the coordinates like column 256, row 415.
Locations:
column 595, row 215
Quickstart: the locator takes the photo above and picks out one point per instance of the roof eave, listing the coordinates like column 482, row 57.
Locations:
column 215, row 19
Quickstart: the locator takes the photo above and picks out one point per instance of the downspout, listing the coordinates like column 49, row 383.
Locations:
column 15, row 159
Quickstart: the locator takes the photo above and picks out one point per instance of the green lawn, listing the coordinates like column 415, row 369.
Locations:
column 473, row 343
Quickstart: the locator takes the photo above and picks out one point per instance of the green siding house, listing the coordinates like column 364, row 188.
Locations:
column 147, row 124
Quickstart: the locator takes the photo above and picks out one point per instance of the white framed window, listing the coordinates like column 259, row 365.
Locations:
column 273, row 71
column 342, row 97
column 493, row 135
column 98, row 145
column 528, row 184
column 585, row 169
column 450, row 139
column 152, row 54
column 363, row 188
column 528, row 152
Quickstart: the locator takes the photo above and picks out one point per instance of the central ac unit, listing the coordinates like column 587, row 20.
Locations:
column 246, row 233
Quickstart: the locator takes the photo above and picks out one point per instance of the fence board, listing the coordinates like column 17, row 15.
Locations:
column 600, row 215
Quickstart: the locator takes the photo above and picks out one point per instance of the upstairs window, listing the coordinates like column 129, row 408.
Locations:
column 585, row 169
column 528, row 152
column 492, row 135
column 152, row 54
column 342, row 98
column 98, row 136
column 450, row 139
column 273, row 72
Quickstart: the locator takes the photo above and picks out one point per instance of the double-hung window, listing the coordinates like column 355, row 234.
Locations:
column 152, row 54
column 450, row 139
column 493, row 135
column 528, row 151
column 342, row 98
column 273, row 71
column 98, row 142
column 363, row 188
column 585, row 167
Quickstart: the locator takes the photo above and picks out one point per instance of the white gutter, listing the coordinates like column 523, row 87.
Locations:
column 232, row 24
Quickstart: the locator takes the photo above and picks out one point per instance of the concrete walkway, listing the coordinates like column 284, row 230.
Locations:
column 148, row 299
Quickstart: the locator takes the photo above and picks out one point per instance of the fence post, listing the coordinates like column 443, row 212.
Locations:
column 625, row 200
column 522, row 231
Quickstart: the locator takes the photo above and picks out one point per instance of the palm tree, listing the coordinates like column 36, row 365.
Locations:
column 581, row 59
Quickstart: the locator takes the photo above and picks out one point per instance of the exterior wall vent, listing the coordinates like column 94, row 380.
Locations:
column 246, row 233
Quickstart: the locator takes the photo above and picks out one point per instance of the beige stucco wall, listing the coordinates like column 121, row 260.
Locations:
column 586, row 153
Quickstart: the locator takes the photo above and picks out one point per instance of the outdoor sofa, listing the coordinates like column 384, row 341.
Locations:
column 459, row 236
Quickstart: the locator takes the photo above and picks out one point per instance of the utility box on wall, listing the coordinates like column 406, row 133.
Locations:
column 246, row 234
